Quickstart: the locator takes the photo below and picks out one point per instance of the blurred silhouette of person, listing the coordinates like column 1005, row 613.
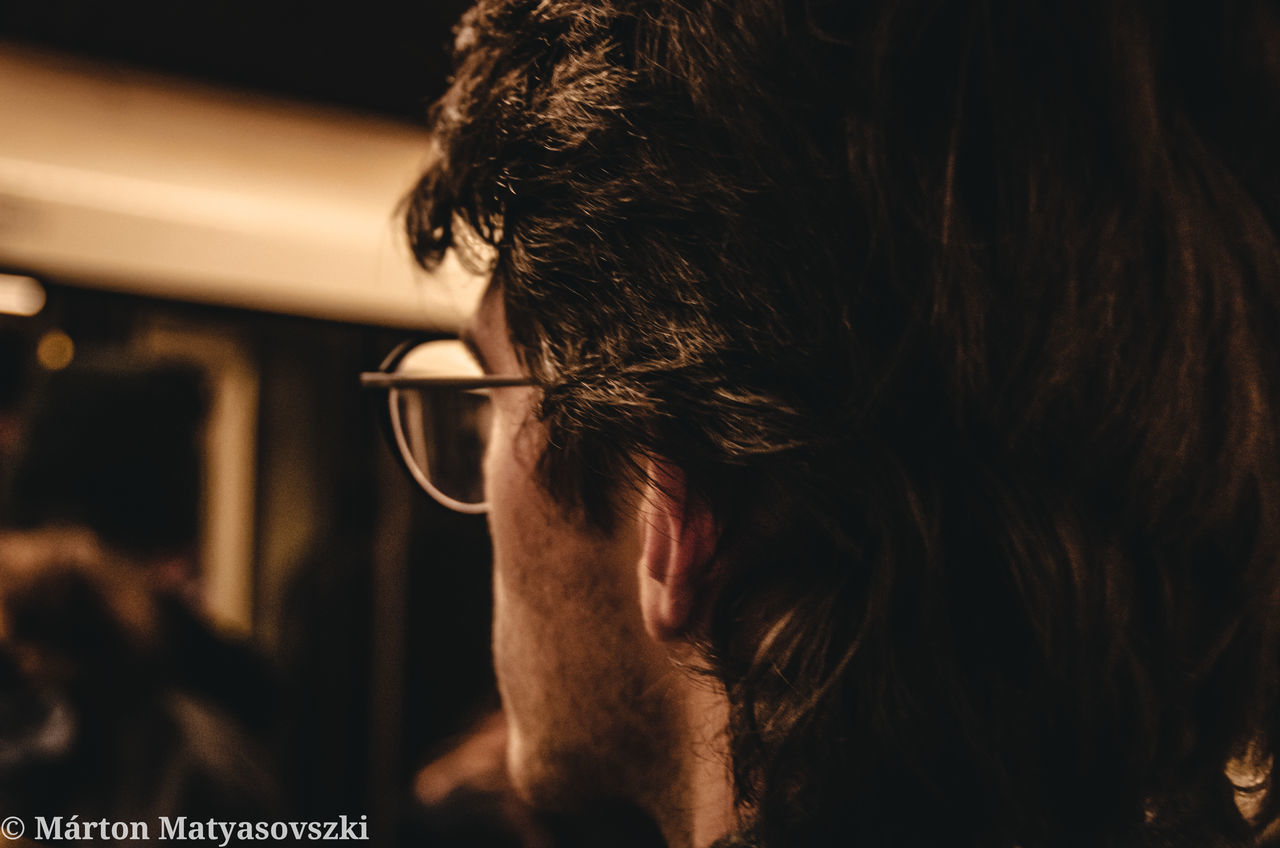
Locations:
column 91, row 724
column 116, row 449
column 120, row 696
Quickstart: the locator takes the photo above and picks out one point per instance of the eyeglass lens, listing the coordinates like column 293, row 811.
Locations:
column 443, row 433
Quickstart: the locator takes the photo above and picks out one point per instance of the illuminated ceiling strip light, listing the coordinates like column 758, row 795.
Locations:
column 272, row 209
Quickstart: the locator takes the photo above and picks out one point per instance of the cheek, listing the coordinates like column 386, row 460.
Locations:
column 543, row 554
column 576, row 672
column 510, row 461
column 557, row 583
column 511, row 426
column 528, row 546
column 540, row 556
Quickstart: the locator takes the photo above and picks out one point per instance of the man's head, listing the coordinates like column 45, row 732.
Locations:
column 898, row 375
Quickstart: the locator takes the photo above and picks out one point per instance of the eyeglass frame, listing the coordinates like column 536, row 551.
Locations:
column 385, row 379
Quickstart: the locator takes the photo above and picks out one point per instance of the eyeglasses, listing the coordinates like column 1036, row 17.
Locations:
column 438, row 416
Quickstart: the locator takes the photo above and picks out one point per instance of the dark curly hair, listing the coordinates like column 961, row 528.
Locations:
column 962, row 317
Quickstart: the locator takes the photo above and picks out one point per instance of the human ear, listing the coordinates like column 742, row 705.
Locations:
column 679, row 542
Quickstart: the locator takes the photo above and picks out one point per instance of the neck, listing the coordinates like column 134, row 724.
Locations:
column 697, row 807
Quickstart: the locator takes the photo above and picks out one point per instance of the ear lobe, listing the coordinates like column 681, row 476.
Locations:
column 679, row 544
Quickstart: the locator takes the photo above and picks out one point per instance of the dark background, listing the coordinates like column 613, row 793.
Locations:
column 382, row 57
column 374, row 677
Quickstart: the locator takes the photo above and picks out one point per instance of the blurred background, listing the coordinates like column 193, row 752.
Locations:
column 218, row 592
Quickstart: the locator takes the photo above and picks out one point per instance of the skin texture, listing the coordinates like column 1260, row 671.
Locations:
column 580, row 682
column 600, row 703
